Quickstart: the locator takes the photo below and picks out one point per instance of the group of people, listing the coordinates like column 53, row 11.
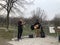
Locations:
column 36, row 26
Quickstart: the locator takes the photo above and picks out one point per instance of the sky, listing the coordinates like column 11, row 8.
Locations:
column 51, row 7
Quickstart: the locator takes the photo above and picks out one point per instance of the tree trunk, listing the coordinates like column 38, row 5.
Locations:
column 7, row 20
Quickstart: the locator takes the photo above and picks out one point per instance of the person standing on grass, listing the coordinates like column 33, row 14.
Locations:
column 20, row 28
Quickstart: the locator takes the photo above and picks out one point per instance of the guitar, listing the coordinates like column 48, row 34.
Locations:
column 36, row 26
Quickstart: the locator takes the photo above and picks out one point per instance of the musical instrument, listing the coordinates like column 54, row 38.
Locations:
column 36, row 26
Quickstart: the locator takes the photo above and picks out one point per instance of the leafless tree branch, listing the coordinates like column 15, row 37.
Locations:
column 10, row 4
column 3, row 6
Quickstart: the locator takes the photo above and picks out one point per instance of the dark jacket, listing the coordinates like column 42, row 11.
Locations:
column 20, row 26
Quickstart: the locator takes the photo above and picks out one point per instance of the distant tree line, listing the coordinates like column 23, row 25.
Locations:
column 56, row 20
column 14, row 21
column 11, row 5
column 36, row 14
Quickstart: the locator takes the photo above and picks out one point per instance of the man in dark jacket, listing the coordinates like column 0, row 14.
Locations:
column 37, row 26
column 20, row 28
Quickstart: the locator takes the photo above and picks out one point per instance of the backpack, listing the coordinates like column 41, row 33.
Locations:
column 42, row 35
column 32, row 27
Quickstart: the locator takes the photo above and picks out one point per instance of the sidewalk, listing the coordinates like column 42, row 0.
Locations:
column 36, row 41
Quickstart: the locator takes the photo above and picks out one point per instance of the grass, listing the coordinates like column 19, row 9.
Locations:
column 6, row 35
column 13, row 32
column 27, row 30
column 46, row 30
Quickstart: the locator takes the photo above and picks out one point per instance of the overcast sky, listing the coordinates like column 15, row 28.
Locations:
column 51, row 7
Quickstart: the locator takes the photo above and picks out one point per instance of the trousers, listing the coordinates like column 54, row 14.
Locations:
column 19, row 33
column 37, row 33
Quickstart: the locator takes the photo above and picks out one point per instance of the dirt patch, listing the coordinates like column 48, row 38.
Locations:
column 3, row 41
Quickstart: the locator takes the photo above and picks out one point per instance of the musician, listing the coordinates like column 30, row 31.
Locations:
column 37, row 28
column 20, row 28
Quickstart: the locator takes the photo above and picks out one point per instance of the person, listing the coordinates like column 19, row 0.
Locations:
column 37, row 28
column 20, row 28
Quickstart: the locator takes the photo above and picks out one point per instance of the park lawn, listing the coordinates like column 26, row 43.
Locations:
column 6, row 34
column 12, row 32
column 26, row 31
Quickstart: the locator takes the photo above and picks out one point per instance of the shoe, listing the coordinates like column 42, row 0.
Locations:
column 17, row 40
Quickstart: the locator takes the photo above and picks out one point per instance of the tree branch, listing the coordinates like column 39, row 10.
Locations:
column 17, row 10
column 21, row 5
column 14, row 1
column 26, row 2
column 3, row 6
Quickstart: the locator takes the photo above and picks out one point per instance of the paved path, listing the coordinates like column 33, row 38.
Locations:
column 36, row 41
column 3, row 41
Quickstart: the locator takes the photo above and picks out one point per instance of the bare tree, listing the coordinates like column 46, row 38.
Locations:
column 8, row 6
column 56, row 20
column 13, row 4
column 39, row 14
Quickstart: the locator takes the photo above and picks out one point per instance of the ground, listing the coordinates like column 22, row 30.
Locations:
column 6, row 36
column 48, row 40
column 4, row 42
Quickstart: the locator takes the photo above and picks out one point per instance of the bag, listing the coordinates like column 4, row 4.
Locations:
column 32, row 27
column 42, row 35
column 31, row 36
column 59, row 38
